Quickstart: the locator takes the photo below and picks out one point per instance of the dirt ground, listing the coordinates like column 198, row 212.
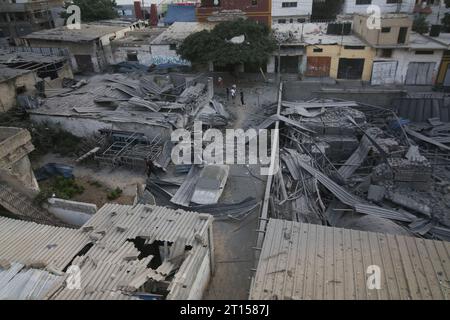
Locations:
column 234, row 240
column 98, row 182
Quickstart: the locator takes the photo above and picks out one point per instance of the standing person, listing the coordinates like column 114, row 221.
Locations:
column 228, row 94
column 220, row 82
column 242, row 97
column 233, row 93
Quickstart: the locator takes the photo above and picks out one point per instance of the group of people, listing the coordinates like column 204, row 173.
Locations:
column 232, row 91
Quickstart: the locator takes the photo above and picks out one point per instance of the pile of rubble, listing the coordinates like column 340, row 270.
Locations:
column 339, row 168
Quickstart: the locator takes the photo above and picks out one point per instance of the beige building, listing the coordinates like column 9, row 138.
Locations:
column 394, row 31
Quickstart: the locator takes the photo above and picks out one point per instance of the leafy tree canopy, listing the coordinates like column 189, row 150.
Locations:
column 94, row 10
column 215, row 45
column 420, row 24
column 446, row 22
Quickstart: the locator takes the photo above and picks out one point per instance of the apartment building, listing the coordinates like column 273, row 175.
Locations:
column 288, row 11
column 386, row 6
column 223, row 10
column 21, row 17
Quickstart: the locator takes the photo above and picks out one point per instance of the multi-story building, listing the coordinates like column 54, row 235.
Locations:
column 290, row 11
column 222, row 10
column 386, row 6
column 90, row 46
column 402, row 56
column 21, row 17
column 434, row 10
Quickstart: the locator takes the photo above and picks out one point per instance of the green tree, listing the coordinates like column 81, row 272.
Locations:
column 446, row 22
column 215, row 45
column 420, row 24
column 94, row 10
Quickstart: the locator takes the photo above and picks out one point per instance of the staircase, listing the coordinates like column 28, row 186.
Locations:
column 22, row 207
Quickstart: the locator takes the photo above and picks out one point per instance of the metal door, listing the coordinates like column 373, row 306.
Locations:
column 383, row 72
column 350, row 68
column 318, row 67
column 420, row 73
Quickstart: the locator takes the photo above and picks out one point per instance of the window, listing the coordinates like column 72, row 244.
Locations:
column 317, row 50
column 354, row 47
column 386, row 53
column 281, row 20
column 254, row 2
column 301, row 20
column 289, row 4
column 424, row 52
column 386, row 29
column 291, row 20
column 393, row 1
column 132, row 56
column 172, row 46
column 358, row 2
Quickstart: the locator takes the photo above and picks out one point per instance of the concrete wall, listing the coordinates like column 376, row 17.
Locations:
column 337, row 51
column 15, row 167
column 84, row 127
column 405, row 56
column 350, row 6
column 8, row 89
column 303, row 9
column 143, row 52
column 163, row 54
column 71, row 212
column 375, row 36
column 299, row 90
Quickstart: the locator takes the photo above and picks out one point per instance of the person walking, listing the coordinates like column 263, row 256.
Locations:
column 242, row 97
column 228, row 94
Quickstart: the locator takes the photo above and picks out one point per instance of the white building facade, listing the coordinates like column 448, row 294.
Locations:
column 386, row 6
column 291, row 11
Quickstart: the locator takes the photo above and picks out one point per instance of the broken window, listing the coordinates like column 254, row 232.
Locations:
column 132, row 56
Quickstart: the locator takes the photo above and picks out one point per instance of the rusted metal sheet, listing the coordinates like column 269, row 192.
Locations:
column 318, row 66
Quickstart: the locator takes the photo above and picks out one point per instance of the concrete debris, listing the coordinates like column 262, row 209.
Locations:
column 376, row 193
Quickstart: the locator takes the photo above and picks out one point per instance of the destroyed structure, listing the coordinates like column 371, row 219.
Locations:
column 359, row 167
column 89, row 46
column 122, row 252
column 25, row 72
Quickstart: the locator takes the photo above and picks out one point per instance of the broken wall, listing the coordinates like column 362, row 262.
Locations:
column 8, row 89
column 85, row 127
column 15, row 166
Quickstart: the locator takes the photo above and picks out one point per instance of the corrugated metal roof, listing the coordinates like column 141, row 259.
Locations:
column 28, row 242
column 19, row 283
column 305, row 261
column 111, row 263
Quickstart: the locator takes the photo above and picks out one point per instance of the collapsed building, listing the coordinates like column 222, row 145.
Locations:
column 358, row 167
column 25, row 72
column 121, row 253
